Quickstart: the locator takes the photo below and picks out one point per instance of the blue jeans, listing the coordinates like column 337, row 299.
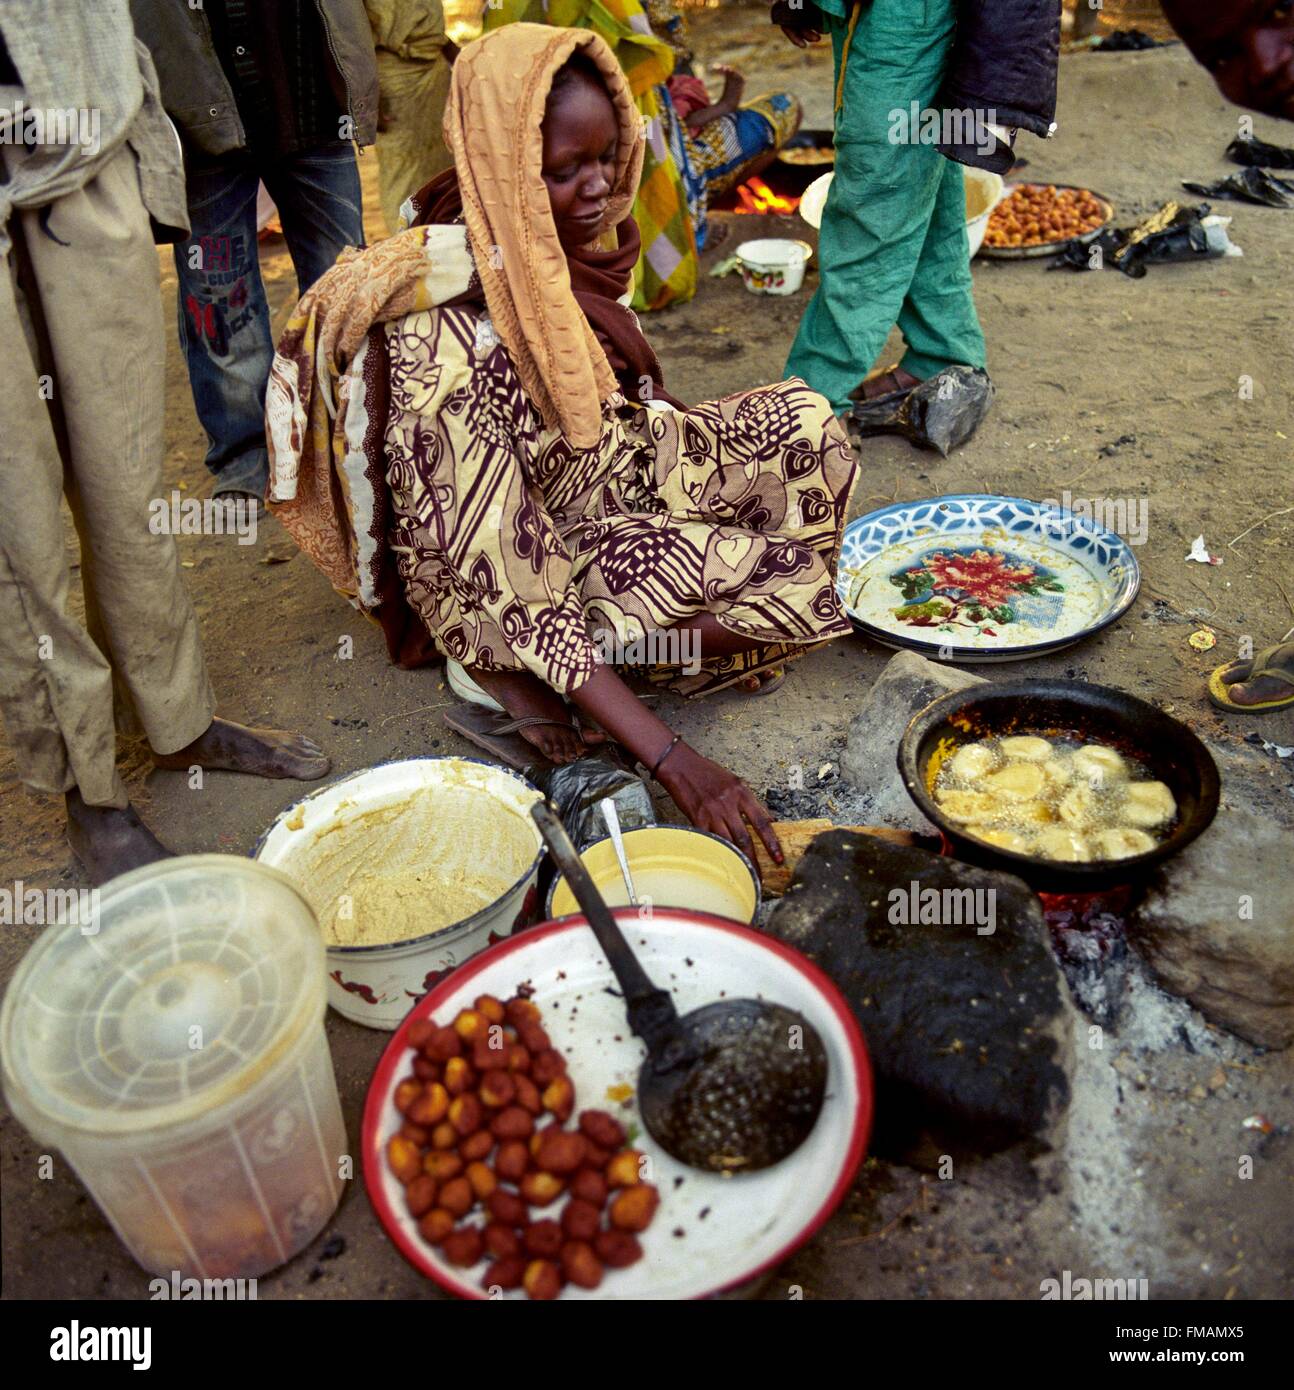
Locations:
column 224, row 316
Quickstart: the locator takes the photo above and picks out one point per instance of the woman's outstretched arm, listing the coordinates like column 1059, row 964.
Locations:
column 710, row 796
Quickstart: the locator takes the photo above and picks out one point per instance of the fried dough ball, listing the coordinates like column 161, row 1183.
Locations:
column 580, row 1265
column 617, row 1249
column 1058, row 773
column 542, row 1280
column 972, row 761
column 505, row 1273
column 1077, row 807
column 476, row 1146
column 1027, row 747
column 1148, row 804
column 1064, row 843
column 965, row 808
column 1005, row 839
column 1122, row 843
column 463, row 1247
column 1099, row 766
column 1018, row 781
column 633, row 1207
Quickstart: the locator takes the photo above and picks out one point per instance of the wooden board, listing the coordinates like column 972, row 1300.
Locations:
column 797, row 835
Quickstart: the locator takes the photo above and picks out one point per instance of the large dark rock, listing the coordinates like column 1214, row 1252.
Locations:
column 970, row 1032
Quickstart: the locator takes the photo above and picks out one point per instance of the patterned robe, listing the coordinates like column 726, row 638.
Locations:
column 520, row 552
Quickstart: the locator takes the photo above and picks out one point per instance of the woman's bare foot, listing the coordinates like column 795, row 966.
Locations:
column 525, row 696
column 887, row 383
column 230, row 747
column 762, row 682
column 109, row 842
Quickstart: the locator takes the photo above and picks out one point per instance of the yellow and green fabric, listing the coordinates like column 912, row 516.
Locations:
column 667, row 269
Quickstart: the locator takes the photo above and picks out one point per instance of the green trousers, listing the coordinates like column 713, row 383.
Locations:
column 892, row 247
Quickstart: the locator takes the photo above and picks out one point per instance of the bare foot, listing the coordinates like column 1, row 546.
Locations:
column 525, row 696
column 1246, row 689
column 763, row 682
column 108, row 842
column 230, row 747
column 896, row 379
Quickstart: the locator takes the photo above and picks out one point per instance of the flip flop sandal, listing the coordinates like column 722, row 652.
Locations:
column 500, row 736
column 1217, row 688
column 496, row 734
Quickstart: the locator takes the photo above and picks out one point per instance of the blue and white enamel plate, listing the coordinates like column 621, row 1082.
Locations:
column 977, row 578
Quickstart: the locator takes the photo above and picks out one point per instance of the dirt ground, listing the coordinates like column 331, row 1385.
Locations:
column 1107, row 387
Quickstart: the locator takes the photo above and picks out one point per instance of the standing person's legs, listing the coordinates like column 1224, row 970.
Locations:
column 107, row 340
column 95, row 302
column 55, row 684
column 320, row 207
column 883, row 196
column 938, row 319
column 225, row 322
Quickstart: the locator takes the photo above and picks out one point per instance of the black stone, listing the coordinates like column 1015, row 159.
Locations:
column 973, row 1076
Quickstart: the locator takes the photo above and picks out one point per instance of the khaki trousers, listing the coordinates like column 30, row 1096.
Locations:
column 81, row 416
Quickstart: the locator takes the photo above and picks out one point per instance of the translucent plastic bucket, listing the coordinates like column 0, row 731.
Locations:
column 177, row 1058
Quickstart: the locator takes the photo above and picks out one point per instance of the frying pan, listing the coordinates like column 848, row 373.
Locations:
column 795, row 178
column 1093, row 713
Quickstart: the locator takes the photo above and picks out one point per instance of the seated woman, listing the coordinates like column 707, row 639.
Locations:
column 466, row 425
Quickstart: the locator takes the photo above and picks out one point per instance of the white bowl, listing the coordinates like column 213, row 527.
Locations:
column 773, row 265
column 984, row 191
column 376, row 985
column 752, row 1221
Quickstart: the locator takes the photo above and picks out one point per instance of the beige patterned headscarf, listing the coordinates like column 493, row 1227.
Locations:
column 493, row 127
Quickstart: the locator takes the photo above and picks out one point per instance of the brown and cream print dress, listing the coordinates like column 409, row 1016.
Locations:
column 520, row 552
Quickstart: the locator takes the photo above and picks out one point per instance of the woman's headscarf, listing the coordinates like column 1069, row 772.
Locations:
column 493, row 126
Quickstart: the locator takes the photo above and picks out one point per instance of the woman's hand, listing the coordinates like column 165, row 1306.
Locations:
column 707, row 794
column 713, row 799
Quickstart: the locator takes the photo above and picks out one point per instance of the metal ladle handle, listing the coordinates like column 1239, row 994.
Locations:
column 650, row 1010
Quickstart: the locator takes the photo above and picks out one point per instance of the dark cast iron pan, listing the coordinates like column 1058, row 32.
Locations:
column 795, row 178
column 1094, row 713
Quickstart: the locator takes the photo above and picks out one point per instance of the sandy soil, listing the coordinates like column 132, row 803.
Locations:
column 1107, row 387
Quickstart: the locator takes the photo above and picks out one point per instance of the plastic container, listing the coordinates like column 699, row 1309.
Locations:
column 429, row 816
column 773, row 265
column 176, row 1056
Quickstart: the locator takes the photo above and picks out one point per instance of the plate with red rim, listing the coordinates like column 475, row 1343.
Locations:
column 733, row 1228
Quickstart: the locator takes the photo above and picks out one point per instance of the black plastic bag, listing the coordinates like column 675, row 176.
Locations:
column 576, row 788
column 1188, row 234
column 1250, row 185
column 1244, row 149
column 1128, row 41
column 939, row 413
